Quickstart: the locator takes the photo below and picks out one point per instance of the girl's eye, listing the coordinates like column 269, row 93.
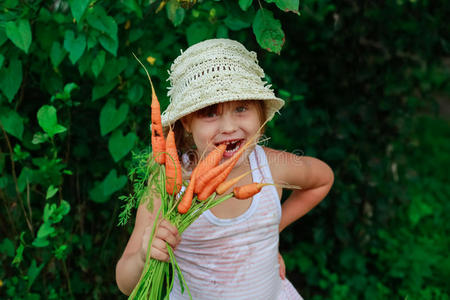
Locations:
column 240, row 109
column 211, row 115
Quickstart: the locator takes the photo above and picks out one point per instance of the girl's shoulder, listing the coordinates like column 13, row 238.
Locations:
column 287, row 167
column 297, row 169
column 281, row 163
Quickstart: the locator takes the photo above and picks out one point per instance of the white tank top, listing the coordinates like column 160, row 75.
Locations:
column 234, row 258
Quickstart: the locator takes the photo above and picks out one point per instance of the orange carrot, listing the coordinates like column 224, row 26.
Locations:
column 158, row 142
column 186, row 201
column 224, row 186
column 212, row 159
column 204, row 179
column 248, row 190
column 208, row 163
column 173, row 165
column 212, row 185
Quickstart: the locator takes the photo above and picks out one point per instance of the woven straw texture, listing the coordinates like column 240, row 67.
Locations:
column 216, row 71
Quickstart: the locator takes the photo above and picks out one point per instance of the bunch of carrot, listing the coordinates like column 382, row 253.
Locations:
column 204, row 190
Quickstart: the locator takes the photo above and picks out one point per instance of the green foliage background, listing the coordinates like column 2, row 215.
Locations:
column 367, row 91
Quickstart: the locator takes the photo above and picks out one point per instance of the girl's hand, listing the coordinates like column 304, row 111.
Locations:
column 282, row 266
column 165, row 233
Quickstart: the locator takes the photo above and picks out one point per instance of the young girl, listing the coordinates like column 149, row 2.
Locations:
column 231, row 251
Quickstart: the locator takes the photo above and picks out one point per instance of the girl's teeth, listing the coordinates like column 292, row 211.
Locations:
column 234, row 149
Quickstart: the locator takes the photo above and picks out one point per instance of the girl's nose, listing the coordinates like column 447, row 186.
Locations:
column 228, row 124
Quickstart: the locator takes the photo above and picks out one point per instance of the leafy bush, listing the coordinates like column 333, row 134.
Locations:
column 360, row 80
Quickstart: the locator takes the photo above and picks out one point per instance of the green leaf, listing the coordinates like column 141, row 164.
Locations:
column 85, row 63
column 10, row 3
column 18, row 258
column 49, row 210
column 40, row 242
column 107, row 26
column 57, row 54
column 98, row 63
column 33, row 272
column 199, row 31
column 245, row 4
column 113, row 68
column 135, row 92
column 110, row 117
column 11, row 78
column 12, row 122
column 75, row 46
column 78, row 7
column 97, row 194
column 92, row 39
column 103, row 190
column 238, row 22
column 45, row 230
column 51, row 191
column 19, row 33
column 62, row 210
column 39, row 138
column 120, row 145
column 68, row 88
column 101, row 90
column 133, row 6
column 222, row 32
column 48, row 120
column 102, row 22
column 287, row 5
column 112, row 183
column 175, row 13
column 65, row 95
column 25, row 177
column 2, row 59
column 268, row 32
column 109, row 44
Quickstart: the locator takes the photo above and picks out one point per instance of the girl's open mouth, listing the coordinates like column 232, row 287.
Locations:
column 232, row 147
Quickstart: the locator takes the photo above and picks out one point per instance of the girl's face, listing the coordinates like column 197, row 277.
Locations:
column 232, row 123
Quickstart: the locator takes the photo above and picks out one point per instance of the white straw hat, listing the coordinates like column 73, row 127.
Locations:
column 216, row 71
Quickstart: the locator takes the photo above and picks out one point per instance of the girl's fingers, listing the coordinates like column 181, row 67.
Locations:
column 166, row 236
column 158, row 250
column 169, row 234
column 166, row 224
column 160, row 245
column 160, row 255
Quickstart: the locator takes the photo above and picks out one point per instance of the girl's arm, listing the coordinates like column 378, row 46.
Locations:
column 130, row 265
column 314, row 177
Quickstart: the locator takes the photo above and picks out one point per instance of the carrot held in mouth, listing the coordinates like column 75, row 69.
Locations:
column 211, row 186
column 205, row 178
column 211, row 160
